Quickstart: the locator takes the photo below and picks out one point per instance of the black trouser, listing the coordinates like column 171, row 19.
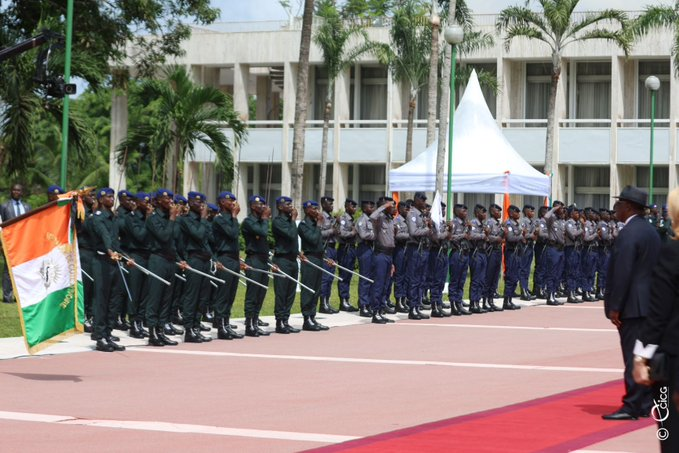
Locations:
column 159, row 295
column 226, row 293
column 106, row 276
column 137, row 282
column 284, row 288
column 192, row 291
column 254, row 295
column 312, row 278
column 86, row 257
column 638, row 399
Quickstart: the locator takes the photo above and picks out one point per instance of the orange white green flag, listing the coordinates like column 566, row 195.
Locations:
column 42, row 255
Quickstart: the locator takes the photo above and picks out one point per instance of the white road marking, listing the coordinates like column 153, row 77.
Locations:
column 379, row 361
column 579, row 307
column 480, row 326
column 175, row 427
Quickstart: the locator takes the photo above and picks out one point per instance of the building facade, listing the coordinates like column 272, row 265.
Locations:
column 603, row 112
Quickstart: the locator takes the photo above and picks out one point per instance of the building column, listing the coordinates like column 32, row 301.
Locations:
column 340, row 173
column 617, row 112
column 263, row 97
column 241, row 74
column 119, row 118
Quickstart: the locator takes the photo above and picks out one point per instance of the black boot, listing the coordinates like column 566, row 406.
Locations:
column 365, row 312
column 551, row 299
column 401, row 305
column 280, row 327
column 162, row 337
column 461, row 309
column 134, row 331
column 289, row 327
column 204, row 338
column 524, row 294
column 542, row 293
column 140, row 327
column 318, row 324
column 414, row 314
column 231, row 329
column 223, row 331
column 599, row 294
column 377, row 319
column 572, row 298
column 114, row 345
column 346, row 306
column 251, row 327
column 588, row 297
column 492, row 305
column 261, row 323
column 177, row 318
column 389, row 310
column 380, row 313
column 454, row 309
column 191, row 337
column 309, row 325
column 507, row 304
column 436, row 311
column 390, row 304
column 103, row 346
column 262, row 333
column 324, row 306
column 153, row 338
column 419, row 312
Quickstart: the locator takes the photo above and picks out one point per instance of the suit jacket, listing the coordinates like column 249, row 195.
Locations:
column 661, row 326
column 628, row 285
column 7, row 209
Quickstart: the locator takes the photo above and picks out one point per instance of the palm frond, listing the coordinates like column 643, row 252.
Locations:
column 654, row 17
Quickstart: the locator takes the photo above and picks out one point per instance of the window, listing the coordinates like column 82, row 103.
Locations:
column 320, row 92
column 660, row 69
column 661, row 181
column 538, row 82
column 371, row 182
column 592, row 187
column 593, row 92
column 373, row 93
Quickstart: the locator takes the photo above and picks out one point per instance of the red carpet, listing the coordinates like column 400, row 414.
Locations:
column 558, row 423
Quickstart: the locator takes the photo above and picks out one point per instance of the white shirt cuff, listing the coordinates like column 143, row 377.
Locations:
column 644, row 351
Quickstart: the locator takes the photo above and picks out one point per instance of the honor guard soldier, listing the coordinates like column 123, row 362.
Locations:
column 86, row 251
column 385, row 243
column 135, row 243
column 53, row 192
column 312, row 246
column 438, row 264
column 605, row 243
column 478, row 260
column 346, row 253
column 196, row 231
column 540, row 246
column 554, row 264
column 515, row 239
column 589, row 255
column 255, row 229
column 399, row 278
column 364, row 253
column 286, row 251
column 225, row 233
column 529, row 227
column 494, row 252
column 329, row 232
column 417, row 254
column 459, row 258
column 162, row 232
column 573, row 247
column 105, row 270
column 121, row 298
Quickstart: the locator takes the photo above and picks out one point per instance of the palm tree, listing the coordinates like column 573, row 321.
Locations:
column 297, row 170
column 557, row 28
column 657, row 17
column 333, row 35
column 180, row 114
column 432, row 85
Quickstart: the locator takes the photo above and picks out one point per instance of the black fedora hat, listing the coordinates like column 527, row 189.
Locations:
column 633, row 195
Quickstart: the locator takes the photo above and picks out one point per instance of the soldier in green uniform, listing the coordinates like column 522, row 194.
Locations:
column 53, row 192
column 86, row 251
column 161, row 228
column 196, row 231
column 312, row 246
column 225, row 233
column 286, row 251
column 105, row 269
column 120, row 298
column 178, row 287
column 255, row 229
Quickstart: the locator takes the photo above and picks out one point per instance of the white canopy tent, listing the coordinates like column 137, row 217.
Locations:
column 483, row 160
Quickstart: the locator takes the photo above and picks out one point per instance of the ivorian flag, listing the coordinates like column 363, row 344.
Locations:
column 41, row 252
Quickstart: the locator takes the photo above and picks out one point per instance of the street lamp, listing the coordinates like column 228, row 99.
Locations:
column 653, row 84
column 454, row 34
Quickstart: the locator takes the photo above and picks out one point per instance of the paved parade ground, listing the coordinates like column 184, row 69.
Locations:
column 536, row 379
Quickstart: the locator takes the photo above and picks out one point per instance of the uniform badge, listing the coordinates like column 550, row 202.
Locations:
column 510, row 228
column 414, row 219
column 360, row 223
column 97, row 213
column 343, row 222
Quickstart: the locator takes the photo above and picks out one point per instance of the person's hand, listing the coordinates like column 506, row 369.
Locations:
column 303, row 258
column 243, row 266
column 294, row 214
column 266, row 213
column 115, row 256
column 204, row 211
column 275, row 268
column 393, row 270
column 183, row 265
column 219, row 266
column 641, row 372
column 331, row 263
column 615, row 318
column 174, row 211
column 131, row 263
column 235, row 209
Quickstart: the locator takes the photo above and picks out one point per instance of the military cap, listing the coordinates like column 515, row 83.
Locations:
column 327, row 198
column 125, row 193
column 196, row 196
column 213, row 207
column 143, row 196
column 460, row 206
column 367, row 203
column 513, row 208
column 603, row 210
column 496, row 206
column 350, row 201
column 163, row 193
column 180, row 199
column 257, row 199
column 653, row 206
column 309, row 204
column 480, row 207
column 226, row 195
column 557, row 203
column 104, row 191
column 528, row 207
column 56, row 190
column 420, row 196
column 388, row 199
column 283, row 199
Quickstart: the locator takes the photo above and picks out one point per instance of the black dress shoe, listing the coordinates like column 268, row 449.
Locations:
column 378, row 319
column 103, row 346
column 191, row 337
column 280, row 327
column 204, row 338
column 114, row 345
column 619, row 415
column 261, row 323
column 389, row 310
column 289, row 327
column 318, row 324
column 309, row 326
column 113, row 337
column 365, row 312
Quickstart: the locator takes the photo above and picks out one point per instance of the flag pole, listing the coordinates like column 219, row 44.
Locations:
column 67, row 79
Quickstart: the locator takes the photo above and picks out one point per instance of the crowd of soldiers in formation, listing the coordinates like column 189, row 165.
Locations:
column 183, row 265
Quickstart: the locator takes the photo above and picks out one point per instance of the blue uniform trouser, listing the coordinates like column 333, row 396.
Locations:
column 416, row 269
column 458, row 265
column 513, row 260
column 346, row 257
column 493, row 268
column 478, row 262
column 399, row 277
column 382, row 276
column 539, row 272
column 602, row 266
column 526, row 264
column 365, row 268
column 588, row 268
column 572, row 268
column 554, row 265
column 438, row 269
column 326, row 285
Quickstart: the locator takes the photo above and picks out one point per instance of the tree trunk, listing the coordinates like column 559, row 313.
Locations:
column 324, row 144
column 297, row 170
column 551, row 119
column 409, row 135
column 433, row 76
column 443, row 112
column 171, row 160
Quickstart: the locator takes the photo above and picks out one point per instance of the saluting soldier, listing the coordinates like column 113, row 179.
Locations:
column 86, row 251
column 459, row 258
column 364, row 253
column 478, row 261
column 255, row 229
column 573, row 247
column 515, row 239
column 554, row 264
column 399, row 278
column 529, row 227
column 226, row 232
column 385, row 243
column 105, row 270
column 329, row 233
column 346, row 253
column 312, row 246
column 494, row 252
column 286, row 251
column 417, row 254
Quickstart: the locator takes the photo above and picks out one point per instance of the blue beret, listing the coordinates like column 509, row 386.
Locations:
column 283, row 199
column 257, row 198
column 104, row 191
column 125, row 193
column 196, row 196
column 213, row 207
column 226, row 195
column 180, row 199
column 143, row 196
column 309, row 204
column 164, row 192
column 55, row 190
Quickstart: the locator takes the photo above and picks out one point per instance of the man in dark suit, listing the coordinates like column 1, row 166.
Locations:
column 14, row 207
column 627, row 297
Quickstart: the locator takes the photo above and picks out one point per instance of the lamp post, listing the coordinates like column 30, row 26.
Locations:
column 653, row 84
column 454, row 34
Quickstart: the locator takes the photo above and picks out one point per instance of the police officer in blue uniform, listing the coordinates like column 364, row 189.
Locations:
column 605, row 244
column 346, row 253
column 515, row 239
column 478, row 260
column 529, row 227
column 364, row 253
column 554, row 253
column 329, row 232
column 385, row 243
column 459, row 258
column 494, row 252
column 417, row 254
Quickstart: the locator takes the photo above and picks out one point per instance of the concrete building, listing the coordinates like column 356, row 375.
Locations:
column 603, row 112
